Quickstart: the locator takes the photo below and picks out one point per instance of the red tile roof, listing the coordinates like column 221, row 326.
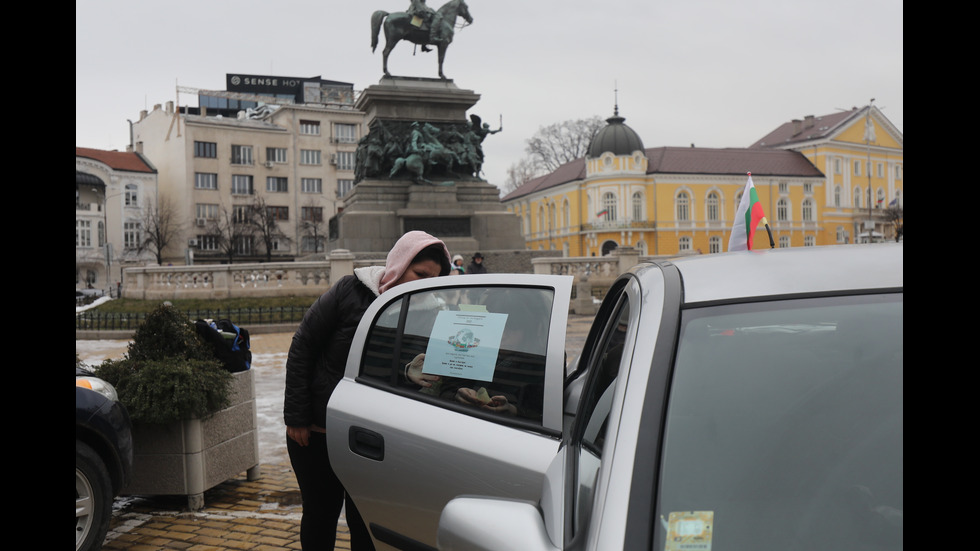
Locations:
column 809, row 128
column 117, row 160
column 690, row 160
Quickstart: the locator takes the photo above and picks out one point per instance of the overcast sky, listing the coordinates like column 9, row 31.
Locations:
column 715, row 73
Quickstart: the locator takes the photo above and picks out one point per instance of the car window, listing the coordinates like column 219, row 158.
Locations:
column 784, row 427
column 483, row 343
column 594, row 411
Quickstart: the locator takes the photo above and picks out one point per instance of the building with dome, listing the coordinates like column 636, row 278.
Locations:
column 682, row 200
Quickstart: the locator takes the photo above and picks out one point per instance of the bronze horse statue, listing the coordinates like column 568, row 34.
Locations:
column 398, row 26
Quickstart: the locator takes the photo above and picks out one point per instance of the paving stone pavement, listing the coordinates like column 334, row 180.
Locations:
column 239, row 514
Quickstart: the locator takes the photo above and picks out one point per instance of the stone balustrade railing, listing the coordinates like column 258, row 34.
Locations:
column 218, row 281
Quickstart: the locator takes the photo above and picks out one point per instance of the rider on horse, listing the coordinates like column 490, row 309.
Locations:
column 426, row 15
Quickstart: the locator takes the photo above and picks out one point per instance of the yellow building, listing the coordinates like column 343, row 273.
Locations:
column 673, row 200
column 861, row 153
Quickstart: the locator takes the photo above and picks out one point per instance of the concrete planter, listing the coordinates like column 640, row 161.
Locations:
column 190, row 457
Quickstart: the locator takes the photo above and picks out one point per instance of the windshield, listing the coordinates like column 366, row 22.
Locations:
column 785, row 427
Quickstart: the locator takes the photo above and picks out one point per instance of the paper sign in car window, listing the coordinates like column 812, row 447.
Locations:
column 689, row 531
column 464, row 344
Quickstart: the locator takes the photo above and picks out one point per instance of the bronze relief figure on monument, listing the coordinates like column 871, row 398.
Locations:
column 419, row 166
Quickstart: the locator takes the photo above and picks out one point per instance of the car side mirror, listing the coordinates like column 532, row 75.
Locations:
column 474, row 523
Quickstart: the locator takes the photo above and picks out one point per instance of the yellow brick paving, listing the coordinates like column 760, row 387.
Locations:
column 238, row 515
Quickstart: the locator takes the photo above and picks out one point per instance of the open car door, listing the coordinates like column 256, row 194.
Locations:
column 402, row 450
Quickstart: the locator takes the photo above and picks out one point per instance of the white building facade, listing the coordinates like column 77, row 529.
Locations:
column 112, row 192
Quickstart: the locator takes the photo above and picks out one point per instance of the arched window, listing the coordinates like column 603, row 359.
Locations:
column 684, row 243
column 608, row 206
column 642, row 247
column 738, row 199
column 782, row 210
column 881, row 198
column 101, row 232
column 131, row 196
column 637, row 206
column 683, row 204
column 566, row 214
column 713, row 204
column 841, row 234
column 857, row 197
column 808, row 210
column 552, row 217
column 541, row 221
column 837, row 192
column 714, row 244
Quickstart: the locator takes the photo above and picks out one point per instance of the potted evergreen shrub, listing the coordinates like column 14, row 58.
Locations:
column 194, row 422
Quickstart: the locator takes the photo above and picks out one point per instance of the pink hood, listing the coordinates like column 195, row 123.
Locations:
column 401, row 255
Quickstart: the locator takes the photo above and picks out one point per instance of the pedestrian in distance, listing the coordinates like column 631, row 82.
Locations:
column 477, row 266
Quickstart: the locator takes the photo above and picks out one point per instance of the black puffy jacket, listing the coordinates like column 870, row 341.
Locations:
column 318, row 353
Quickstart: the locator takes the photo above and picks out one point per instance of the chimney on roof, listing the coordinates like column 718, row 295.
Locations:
column 142, row 114
column 157, row 106
column 170, row 107
column 797, row 124
column 809, row 121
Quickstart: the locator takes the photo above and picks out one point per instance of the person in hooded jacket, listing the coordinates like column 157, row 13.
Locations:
column 315, row 364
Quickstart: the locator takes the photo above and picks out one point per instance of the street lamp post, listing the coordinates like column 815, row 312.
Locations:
column 869, row 136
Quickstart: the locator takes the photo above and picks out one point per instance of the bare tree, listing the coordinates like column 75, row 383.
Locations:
column 265, row 222
column 161, row 224
column 519, row 174
column 562, row 142
column 232, row 231
column 312, row 224
column 896, row 217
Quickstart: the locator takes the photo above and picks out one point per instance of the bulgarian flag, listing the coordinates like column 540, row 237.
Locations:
column 747, row 218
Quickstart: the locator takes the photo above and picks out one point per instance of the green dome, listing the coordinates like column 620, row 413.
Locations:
column 615, row 138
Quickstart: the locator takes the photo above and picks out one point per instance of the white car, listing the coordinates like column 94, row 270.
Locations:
column 749, row 400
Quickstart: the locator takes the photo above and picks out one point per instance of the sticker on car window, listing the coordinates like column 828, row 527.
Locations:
column 464, row 344
column 689, row 531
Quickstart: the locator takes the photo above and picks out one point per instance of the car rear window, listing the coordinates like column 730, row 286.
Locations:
column 784, row 427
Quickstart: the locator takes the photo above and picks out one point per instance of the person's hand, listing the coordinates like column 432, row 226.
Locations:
column 300, row 435
column 413, row 372
column 468, row 396
column 497, row 404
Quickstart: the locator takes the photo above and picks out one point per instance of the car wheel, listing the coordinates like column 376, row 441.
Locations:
column 93, row 498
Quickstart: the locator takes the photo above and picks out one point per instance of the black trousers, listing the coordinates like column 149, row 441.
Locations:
column 323, row 498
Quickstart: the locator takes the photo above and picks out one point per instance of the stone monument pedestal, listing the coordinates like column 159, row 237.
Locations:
column 468, row 216
column 458, row 207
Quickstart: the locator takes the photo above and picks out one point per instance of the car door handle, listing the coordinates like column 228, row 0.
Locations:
column 366, row 443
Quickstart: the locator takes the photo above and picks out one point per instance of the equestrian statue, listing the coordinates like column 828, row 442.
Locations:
column 420, row 25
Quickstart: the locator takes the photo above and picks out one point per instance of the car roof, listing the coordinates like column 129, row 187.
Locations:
column 789, row 271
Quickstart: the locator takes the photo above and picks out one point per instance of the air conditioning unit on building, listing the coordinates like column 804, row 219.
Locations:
column 333, row 159
column 269, row 164
column 192, row 242
column 201, row 222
